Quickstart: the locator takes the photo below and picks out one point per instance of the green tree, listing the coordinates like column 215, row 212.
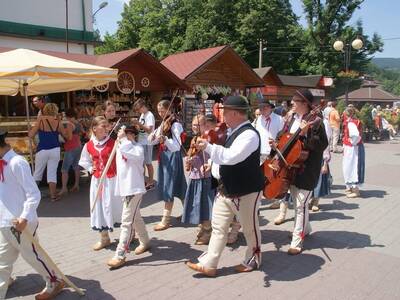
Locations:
column 163, row 27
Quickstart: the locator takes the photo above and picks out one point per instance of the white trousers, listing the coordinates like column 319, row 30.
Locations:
column 302, row 225
column 131, row 221
column 47, row 158
column 224, row 209
column 11, row 245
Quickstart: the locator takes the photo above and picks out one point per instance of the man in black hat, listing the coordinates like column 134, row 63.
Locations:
column 314, row 140
column 17, row 213
column 236, row 165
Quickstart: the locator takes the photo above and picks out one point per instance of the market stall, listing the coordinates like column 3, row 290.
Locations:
column 211, row 74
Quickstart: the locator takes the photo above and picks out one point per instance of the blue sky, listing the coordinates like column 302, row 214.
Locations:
column 381, row 16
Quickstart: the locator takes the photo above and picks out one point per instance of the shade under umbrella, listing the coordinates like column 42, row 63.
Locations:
column 32, row 73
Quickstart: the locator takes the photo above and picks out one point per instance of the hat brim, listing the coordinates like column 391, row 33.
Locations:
column 266, row 104
column 234, row 107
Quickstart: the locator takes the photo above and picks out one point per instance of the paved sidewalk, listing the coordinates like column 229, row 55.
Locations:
column 353, row 252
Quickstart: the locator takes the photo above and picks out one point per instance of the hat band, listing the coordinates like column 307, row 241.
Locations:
column 303, row 97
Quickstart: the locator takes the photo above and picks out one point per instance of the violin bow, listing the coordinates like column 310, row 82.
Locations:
column 166, row 114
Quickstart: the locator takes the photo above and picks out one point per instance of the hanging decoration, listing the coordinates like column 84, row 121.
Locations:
column 212, row 90
column 102, row 88
column 145, row 82
column 126, row 82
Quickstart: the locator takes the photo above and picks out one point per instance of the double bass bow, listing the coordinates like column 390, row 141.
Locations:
column 289, row 157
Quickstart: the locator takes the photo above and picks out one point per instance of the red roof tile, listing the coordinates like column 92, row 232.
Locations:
column 185, row 63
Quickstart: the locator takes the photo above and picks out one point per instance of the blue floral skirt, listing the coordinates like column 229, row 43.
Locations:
column 171, row 177
column 199, row 201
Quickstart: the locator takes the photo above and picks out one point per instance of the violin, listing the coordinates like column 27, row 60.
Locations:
column 217, row 135
column 281, row 169
column 167, row 125
column 192, row 152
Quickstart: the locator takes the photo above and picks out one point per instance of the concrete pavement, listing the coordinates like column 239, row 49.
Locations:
column 353, row 252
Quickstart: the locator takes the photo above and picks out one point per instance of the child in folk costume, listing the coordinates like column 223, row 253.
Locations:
column 323, row 187
column 130, row 185
column 94, row 157
column 16, row 214
column 353, row 154
column 199, row 195
column 171, row 177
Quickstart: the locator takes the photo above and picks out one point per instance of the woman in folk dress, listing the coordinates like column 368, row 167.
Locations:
column 171, row 176
column 353, row 154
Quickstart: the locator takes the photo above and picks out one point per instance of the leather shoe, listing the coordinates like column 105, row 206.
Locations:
column 243, row 269
column 102, row 244
column 210, row 272
column 141, row 249
column 294, row 251
column 161, row 227
column 45, row 295
column 116, row 262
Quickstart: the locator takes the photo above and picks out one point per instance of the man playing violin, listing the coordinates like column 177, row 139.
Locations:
column 236, row 165
column 314, row 140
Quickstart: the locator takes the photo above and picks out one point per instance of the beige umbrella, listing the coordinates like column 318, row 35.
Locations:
column 32, row 73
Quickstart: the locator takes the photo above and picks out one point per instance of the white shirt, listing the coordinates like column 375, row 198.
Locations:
column 19, row 194
column 268, row 128
column 174, row 143
column 129, row 159
column 246, row 143
column 296, row 123
column 147, row 120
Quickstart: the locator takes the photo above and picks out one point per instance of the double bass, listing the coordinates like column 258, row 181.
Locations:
column 289, row 157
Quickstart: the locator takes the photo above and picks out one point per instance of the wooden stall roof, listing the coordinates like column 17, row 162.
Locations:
column 120, row 60
column 217, row 65
column 310, row 81
column 370, row 93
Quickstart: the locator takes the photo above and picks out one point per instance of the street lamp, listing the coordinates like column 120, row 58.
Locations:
column 356, row 44
column 101, row 6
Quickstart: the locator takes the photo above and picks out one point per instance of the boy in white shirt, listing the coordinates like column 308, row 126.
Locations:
column 146, row 124
column 130, row 185
column 19, row 199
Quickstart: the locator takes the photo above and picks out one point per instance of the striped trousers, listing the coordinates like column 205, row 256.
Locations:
column 12, row 244
column 302, row 226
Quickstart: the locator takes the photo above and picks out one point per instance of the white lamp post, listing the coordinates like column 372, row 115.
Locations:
column 356, row 44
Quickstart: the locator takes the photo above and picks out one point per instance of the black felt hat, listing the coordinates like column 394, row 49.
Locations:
column 236, row 102
column 3, row 135
column 265, row 102
column 307, row 96
column 131, row 129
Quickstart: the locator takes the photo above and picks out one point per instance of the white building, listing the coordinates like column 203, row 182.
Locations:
column 41, row 25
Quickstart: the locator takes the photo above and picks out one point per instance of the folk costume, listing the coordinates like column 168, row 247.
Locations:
column 199, row 198
column 315, row 142
column 130, row 185
column 268, row 128
column 108, row 209
column 171, row 177
column 236, row 164
column 323, row 187
column 16, row 180
column 353, row 155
